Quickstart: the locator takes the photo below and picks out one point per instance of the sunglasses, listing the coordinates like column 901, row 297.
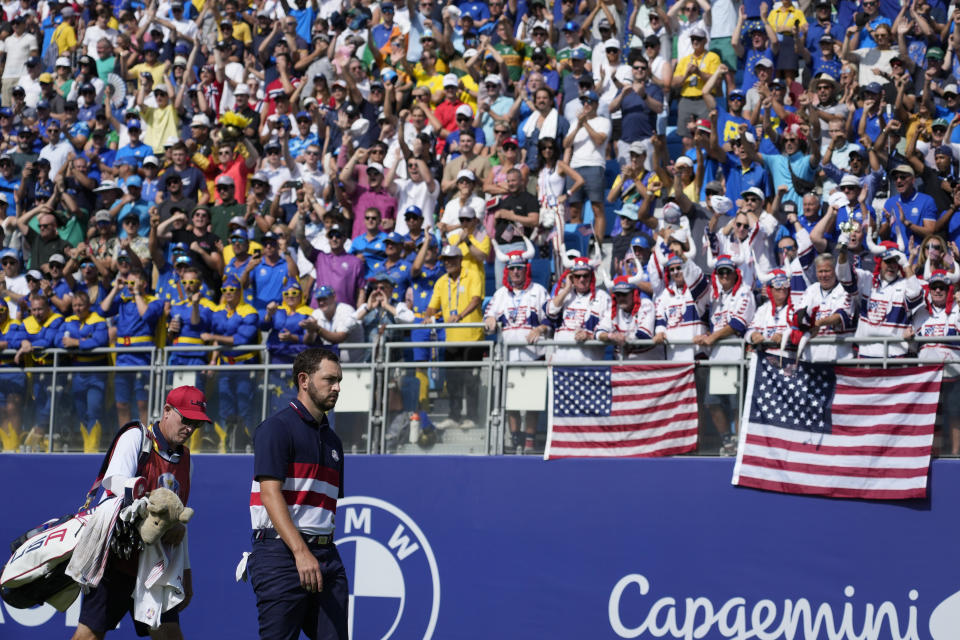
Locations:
column 291, row 294
column 744, row 225
column 791, row 139
column 930, row 247
column 228, row 289
column 237, row 240
column 224, row 187
column 938, row 287
column 87, row 265
column 849, row 188
column 372, row 172
column 6, row 262
column 723, row 273
column 191, row 282
column 748, row 199
column 785, row 249
column 674, row 269
column 372, row 218
column 508, row 147
column 46, row 225
column 901, row 176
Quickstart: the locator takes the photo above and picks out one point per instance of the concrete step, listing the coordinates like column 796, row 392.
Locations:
column 464, row 436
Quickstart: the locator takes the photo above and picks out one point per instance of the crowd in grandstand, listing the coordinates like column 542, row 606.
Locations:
column 294, row 173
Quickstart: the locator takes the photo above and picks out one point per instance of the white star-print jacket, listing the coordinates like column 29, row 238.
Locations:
column 517, row 312
column 929, row 322
column 579, row 311
column 820, row 303
column 889, row 312
column 637, row 326
column 736, row 309
column 680, row 312
column 766, row 322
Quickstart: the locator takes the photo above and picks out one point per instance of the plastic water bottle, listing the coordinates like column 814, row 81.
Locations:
column 414, row 428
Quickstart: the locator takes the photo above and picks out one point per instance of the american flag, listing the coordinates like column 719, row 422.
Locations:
column 844, row 432
column 622, row 411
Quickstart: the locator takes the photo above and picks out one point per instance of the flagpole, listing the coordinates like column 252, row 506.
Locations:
column 546, row 449
column 744, row 417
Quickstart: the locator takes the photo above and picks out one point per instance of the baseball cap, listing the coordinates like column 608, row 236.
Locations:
column 376, row 166
column 394, row 237
column 189, row 403
column 467, row 213
column 34, row 274
column 578, row 54
column 826, row 38
column 102, row 216
column 464, row 110
column 323, row 291
column 703, row 125
column 225, row 179
column 939, row 122
column 413, row 210
column 201, row 119
column 638, row 147
column 134, row 181
column 904, row 168
column 58, row 258
column 651, row 41
column 335, row 230
column 622, row 284
column 62, row 62
column 591, row 96
column 873, row 87
column 570, row 26
column 683, row 161
column 238, row 221
column 754, row 191
column 466, row 174
column 725, row 262
column 944, row 150
column 611, row 43
column 450, row 80
column 45, row 78
column 950, row 88
column 451, row 251
column 698, row 32
column 764, row 62
column 935, row 52
column 640, row 241
column 151, row 160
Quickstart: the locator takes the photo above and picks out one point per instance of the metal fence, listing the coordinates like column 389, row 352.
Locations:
column 383, row 387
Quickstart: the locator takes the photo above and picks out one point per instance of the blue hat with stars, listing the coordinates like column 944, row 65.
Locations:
column 323, row 292
column 231, row 281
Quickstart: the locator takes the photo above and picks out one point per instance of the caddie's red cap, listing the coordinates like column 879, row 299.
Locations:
column 190, row 402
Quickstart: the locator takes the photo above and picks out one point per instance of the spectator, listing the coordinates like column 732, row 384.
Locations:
column 40, row 331
column 518, row 308
column 289, row 333
column 85, row 329
column 235, row 325
column 266, row 275
column 457, row 296
column 137, row 314
column 14, row 381
column 333, row 323
column 732, row 309
column 188, row 318
column 888, row 311
column 576, row 309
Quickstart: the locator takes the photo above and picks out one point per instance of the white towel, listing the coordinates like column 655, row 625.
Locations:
column 159, row 586
column 549, row 128
column 90, row 555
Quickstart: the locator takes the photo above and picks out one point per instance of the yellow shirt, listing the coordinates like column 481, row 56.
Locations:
column 160, row 124
column 228, row 253
column 456, row 295
column 241, row 32
column 156, row 71
column 65, row 37
column 470, row 262
column 693, row 87
column 782, row 19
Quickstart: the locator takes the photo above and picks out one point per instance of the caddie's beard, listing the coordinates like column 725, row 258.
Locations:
column 325, row 403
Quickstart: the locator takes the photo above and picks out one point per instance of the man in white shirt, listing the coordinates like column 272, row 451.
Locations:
column 97, row 31
column 419, row 190
column 17, row 48
column 588, row 138
column 57, row 150
column 334, row 322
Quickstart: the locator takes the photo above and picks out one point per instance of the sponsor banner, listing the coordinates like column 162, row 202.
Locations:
column 512, row 547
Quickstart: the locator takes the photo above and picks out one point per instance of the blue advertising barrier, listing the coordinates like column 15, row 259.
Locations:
column 511, row 547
